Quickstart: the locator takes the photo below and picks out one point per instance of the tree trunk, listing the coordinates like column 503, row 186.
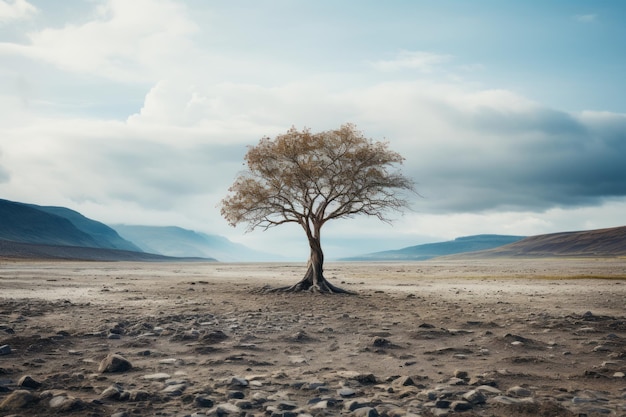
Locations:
column 314, row 280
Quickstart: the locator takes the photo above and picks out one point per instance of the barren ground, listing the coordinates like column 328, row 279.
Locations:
column 548, row 335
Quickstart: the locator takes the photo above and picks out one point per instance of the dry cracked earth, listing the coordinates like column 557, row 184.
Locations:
column 438, row 338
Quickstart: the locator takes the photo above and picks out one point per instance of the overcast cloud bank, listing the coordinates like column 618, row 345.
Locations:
column 140, row 113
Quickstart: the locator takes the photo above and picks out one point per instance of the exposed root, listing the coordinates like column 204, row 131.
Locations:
column 322, row 287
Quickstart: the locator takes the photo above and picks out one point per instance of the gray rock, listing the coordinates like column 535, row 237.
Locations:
column 320, row 405
column 114, row 363
column 64, row 403
column 461, row 374
column 474, row 397
column 138, row 395
column 5, row 350
column 113, row 392
column 381, row 342
column 174, row 390
column 287, row 405
column 17, row 400
column 503, row 399
column 160, row 376
column 488, row 389
column 27, row 382
column 227, row 409
column 457, row 381
column 518, row 391
column 365, row 412
column 346, row 392
column 244, row 404
column 352, row 405
column 204, row 402
column 236, row 395
column 443, row 403
column 238, row 382
column 366, row 378
column 460, row 406
column 403, row 381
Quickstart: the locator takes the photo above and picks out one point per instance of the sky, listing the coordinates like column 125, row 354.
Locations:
column 511, row 115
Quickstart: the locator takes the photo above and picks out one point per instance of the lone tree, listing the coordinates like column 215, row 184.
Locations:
column 306, row 178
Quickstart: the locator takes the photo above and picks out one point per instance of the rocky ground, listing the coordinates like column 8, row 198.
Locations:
column 471, row 338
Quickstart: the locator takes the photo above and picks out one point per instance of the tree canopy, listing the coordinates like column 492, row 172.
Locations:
column 310, row 178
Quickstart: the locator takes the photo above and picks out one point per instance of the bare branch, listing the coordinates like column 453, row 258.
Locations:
column 309, row 179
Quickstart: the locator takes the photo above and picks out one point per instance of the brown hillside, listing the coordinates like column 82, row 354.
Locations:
column 601, row 242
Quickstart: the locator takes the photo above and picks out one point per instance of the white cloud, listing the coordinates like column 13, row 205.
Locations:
column 412, row 60
column 126, row 41
column 486, row 159
column 16, row 10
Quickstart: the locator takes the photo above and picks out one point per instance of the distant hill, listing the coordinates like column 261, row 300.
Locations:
column 609, row 242
column 33, row 251
column 40, row 232
column 176, row 241
column 432, row 250
column 99, row 231
column 28, row 223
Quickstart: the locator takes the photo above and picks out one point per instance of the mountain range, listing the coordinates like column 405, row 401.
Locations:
column 179, row 242
column 44, row 232
column 609, row 242
column 432, row 250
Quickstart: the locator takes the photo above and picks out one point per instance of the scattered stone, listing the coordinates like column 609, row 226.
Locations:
column 352, row 405
column 460, row 406
column 227, row 409
column 502, row 399
column 113, row 392
column 518, row 391
column 403, row 381
column 365, row 412
column 474, row 397
column 443, row 403
column 65, row 404
column 204, row 402
column 17, row 400
column 461, row 374
column 236, row 395
column 160, row 376
column 138, row 395
column 297, row 360
column 488, row 389
column 27, row 382
column 381, row 342
column 114, row 363
column 175, row 390
column 214, row 337
column 366, row 379
column 287, row 405
column 238, row 382
column 346, row 392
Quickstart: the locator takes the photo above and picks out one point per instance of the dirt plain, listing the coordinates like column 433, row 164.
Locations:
column 523, row 337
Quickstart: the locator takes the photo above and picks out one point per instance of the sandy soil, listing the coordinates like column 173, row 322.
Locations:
column 527, row 337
